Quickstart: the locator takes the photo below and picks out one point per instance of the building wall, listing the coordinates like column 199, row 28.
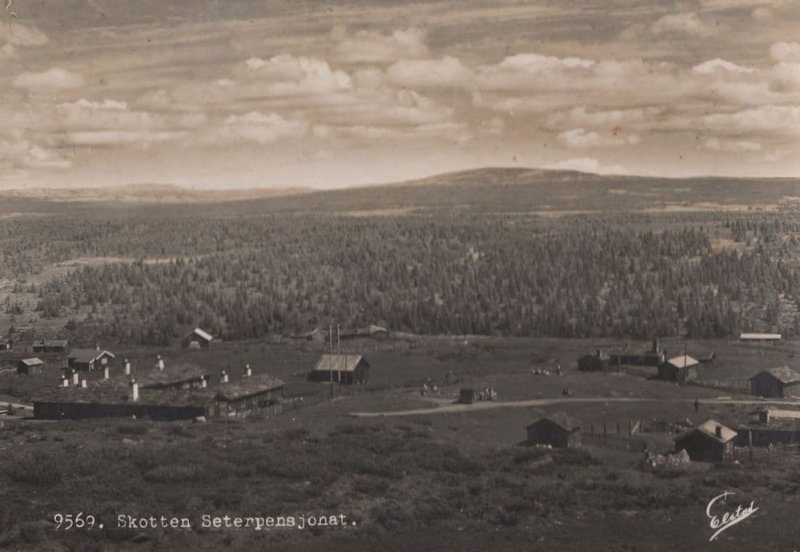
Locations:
column 764, row 385
column 702, row 448
column 549, row 433
column 46, row 410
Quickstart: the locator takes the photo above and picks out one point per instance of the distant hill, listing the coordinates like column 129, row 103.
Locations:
column 545, row 192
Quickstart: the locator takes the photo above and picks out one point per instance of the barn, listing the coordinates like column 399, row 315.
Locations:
column 681, row 369
column 89, row 359
column 708, row 442
column 781, row 382
column 596, row 362
column 340, row 368
column 50, row 346
column 197, row 339
column 29, row 366
column 558, row 430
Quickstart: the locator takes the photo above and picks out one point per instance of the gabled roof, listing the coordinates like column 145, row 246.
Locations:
column 338, row 363
column 245, row 387
column 760, row 336
column 784, row 374
column 561, row 420
column 32, row 361
column 202, row 334
column 683, row 361
column 709, row 429
column 89, row 355
column 172, row 374
column 51, row 342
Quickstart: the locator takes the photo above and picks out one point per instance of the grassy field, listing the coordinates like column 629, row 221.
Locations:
column 452, row 480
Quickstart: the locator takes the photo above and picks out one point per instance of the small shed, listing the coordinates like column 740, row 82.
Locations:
column 595, row 362
column 558, row 430
column 681, row 369
column 341, row 368
column 89, row 359
column 467, row 395
column 29, row 366
column 50, row 346
column 709, row 442
column 197, row 339
column 780, row 382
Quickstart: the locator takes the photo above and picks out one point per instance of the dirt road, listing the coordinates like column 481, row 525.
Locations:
column 456, row 408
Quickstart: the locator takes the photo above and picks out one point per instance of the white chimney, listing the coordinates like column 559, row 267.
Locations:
column 105, row 372
column 83, row 383
column 224, row 378
column 203, row 382
column 75, row 378
column 247, row 371
column 127, row 367
column 97, row 346
column 160, row 363
column 134, row 391
column 64, row 381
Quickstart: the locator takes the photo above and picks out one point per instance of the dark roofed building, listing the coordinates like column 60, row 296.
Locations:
column 341, row 368
column 708, row 442
column 780, row 382
column 247, row 395
column 198, row 339
column 88, row 359
column 597, row 362
column 681, row 369
column 558, row 430
column 50, row 346
column 29, row 366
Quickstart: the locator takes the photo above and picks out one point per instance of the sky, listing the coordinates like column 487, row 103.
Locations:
column 279, row 93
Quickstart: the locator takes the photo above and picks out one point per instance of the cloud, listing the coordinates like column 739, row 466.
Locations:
column 253, row 127
column 580, row 138
column 785, row 51
column 686, row 23
column 731, row 146
column 769, row 119
column 119, row 137
column 18, row 152
column 582, row 116
column 718, row 66
column 586, row 164
column 289, row 75
column 445, row 72
column 52, row 79
column 375, row 47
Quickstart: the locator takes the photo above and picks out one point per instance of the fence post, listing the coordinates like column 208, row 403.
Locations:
column 605, row 434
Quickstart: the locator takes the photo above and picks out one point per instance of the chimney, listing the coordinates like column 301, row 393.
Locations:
column 75, row 378
column 247, row 371
column 127, row 367
column 203, row 382
column 160, row 363
column 64, row 381
column 597, row 353
column 134, row 391
column 83, row 383
column 105, row 372
column 224, row 378
column 719, row 432
column 97, row 347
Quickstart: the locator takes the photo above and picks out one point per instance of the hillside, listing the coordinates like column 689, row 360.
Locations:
column 490, row 189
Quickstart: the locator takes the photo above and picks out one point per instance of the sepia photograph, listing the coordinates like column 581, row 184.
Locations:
column 399, row 275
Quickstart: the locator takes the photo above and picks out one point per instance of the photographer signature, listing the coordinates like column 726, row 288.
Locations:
column 728, row 519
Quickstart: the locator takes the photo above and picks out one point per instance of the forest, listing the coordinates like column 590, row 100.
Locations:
column 435, row 272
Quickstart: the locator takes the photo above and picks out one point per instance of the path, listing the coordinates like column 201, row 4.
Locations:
column 455, row 407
